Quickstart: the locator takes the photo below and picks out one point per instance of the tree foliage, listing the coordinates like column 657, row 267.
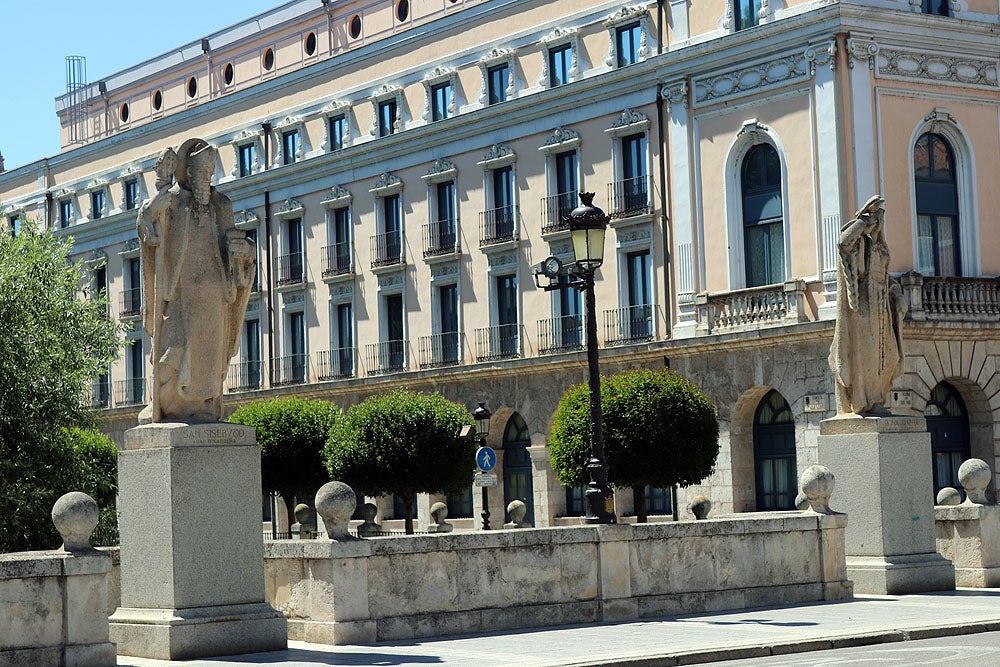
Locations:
column 53, row 345
column 403, row 443
column 291, row 433
column 659, row 430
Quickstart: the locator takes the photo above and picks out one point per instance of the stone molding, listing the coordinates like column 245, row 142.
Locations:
column 382, row 93
column 492, row 58
column 290, row 208
column 441, row 170
column 629, row 122
column 330, row 111
column 434, row 77
column 558, row 37
column 622, row 17
column 287, row 124
column 561, row 139
column 386, row 184
column 499, row 155
column 338, row 197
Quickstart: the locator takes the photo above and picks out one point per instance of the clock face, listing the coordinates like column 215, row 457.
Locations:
column 551, row 266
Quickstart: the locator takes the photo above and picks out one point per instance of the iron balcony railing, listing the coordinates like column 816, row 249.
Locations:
column 98, row 394
column 441, row 238
column 441, row 349
column 387, row 249
column 388, row 356
column 631, row 324
column 246, row 375
column 131, row 391
column 291, row 269
column 560, row 334
column 293, row 369
column 497, row 225
column 629, row 197
column 336, row 363
column 497, row 342
column 131, row 302
column 337, row 259
column 556, row 210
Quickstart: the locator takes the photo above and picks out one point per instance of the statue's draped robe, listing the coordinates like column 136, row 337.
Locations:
column 866, row 355
column 193, row 304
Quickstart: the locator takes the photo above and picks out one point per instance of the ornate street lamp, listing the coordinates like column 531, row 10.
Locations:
column 482, row 416
column 587, row 226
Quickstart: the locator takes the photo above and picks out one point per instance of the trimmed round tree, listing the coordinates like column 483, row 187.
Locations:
column 659, row 430
column 291, row 433
column 403, row 443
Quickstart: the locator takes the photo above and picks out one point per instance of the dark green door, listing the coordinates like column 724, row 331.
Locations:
column 774, row 454
column 517, row 467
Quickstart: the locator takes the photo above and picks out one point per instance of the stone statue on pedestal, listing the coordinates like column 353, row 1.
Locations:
column 197, row 270
column 867, row 351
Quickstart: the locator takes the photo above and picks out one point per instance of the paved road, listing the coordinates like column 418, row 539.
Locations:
column 893, row 621
column 978, row 649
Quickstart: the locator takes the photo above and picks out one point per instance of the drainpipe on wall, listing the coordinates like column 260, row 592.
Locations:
column 667, row 229
column 266, row 131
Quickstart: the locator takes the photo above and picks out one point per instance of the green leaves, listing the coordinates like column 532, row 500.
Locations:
column 659, row 429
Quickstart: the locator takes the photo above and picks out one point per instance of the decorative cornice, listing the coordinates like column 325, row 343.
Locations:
column 390, row 279
column 336, row 106
column 626, row 14
column 440, row 170
column 385, row 90
column 245, row 218
column 97, row 184
column 785, row 69
column 442, row 270
column 862, row 48
column 502, row 259
column 630, row 120
column 290, row 208
column 496, row 55
column 246, row 135
column 342, row 289
column 497, row 156
column 675, row 92
column 130, row 249
column 289, row 121
column 559, row 35
column 338, row 196
column 439, row 73
column 561, row 138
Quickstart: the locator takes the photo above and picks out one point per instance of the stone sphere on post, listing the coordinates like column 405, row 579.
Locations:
column 75, row 515
column 335, row 502
column 700, row 506
column 975, row 475
column 948, row 496
column 817, row 484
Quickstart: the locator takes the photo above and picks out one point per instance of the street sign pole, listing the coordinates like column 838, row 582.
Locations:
column 486, row 459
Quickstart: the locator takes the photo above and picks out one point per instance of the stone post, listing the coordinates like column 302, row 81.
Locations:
column 913, row 290
column 192, row 552
column 884, row 473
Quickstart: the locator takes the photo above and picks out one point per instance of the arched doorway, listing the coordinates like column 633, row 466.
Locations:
column 948, row 423
column 774, row 453
column 517, row 466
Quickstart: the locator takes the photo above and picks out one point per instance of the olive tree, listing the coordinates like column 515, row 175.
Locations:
column 53, row 346
column 291, row 433
column 659, row 430
column 403, row 443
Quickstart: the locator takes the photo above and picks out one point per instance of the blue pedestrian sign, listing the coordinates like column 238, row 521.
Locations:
column 486, row 459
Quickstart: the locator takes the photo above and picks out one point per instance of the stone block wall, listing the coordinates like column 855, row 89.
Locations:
column 422, row 586
column 969, row 536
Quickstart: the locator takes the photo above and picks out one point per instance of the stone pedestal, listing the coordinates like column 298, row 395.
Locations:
column 192, row 559
column 884, row 484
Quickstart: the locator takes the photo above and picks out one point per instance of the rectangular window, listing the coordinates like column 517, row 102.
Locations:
column 566, row 183
column 131, row 194
column 65, row 212
column 338, row 132
column 445, row 236
column 99, row 280
column 342, row 239
column 345, row 339
column 14, row 224
column 939, row 7
column 633, row 196
column 289, row 146
column 745, row 13
column 394, row 331
column 506, row 291
column 503, row 200
column 448, row 307
column 627, row 44
column 387, row 117
column 252, row 237
column 640, row 315
column 251, row 354
column 248, row 156
column 135, row 384
column 440, row 100
column 560, row 58
column 570, row 328
column 497, row 78
column 96, row 204
column 296, row 365
column 291, row 264
column 392, row 219
column 132, row 296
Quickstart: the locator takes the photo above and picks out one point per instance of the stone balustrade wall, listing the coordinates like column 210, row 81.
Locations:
column 421, row 586
column 969, row 536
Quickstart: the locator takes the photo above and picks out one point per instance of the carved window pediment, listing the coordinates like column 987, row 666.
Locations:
column 440, row 171
column 386, row 184
column 561, row 139
column 337, row 197
column 246, row 219
column 330, row 112
column 381, row 94
column 289, row 124
column 499, row 155
column 494, row 57
column 435, row 77
column 243, row 138
column 290, row 208
column 629, row 122
column 556, row 38
column 624, row 17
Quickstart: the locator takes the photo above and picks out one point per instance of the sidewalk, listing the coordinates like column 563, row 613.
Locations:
column 868, row 619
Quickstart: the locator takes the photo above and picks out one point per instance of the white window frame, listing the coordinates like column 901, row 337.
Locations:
column 556, row 38
column 562, row 140
column 383, row 93
column 98, row 185
column 623, row 17
column 628, row 123
column 130, row 174
column 333, row 110
column 502, row 265
column 941, row 121
column 245, row 137
column 499, row 156
column 62, row 196
column 752, row 133
column 434, row 78
column 289, row 124
column 493, row 58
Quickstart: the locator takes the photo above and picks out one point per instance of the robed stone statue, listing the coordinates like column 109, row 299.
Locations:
column 867, row 351
column 197, row 271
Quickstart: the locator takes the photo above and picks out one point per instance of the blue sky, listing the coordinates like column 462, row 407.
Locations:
column 39, row 36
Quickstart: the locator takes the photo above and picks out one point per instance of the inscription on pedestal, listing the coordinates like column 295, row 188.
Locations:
column 155, row 436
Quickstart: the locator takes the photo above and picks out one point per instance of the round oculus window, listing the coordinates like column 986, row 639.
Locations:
column 403, row 10
column 192, row 87
column 157, row 101
column 355, row 27
column 123, row 112
column 228, row 74
column 311, row 44
column 268, row 60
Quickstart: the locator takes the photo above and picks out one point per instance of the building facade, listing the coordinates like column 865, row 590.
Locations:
column 404, row 166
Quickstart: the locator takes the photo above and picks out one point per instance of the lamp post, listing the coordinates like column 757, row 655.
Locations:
column 587, row 225
column 482, row 416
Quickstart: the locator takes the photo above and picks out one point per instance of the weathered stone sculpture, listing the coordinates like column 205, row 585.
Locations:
column 197, row 269
column 867, row 351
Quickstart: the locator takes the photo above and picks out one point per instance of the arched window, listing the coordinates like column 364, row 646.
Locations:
column 948, row 423
column 763, row 233
column 774, row 453
column 936, row 190
column 517, row 467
